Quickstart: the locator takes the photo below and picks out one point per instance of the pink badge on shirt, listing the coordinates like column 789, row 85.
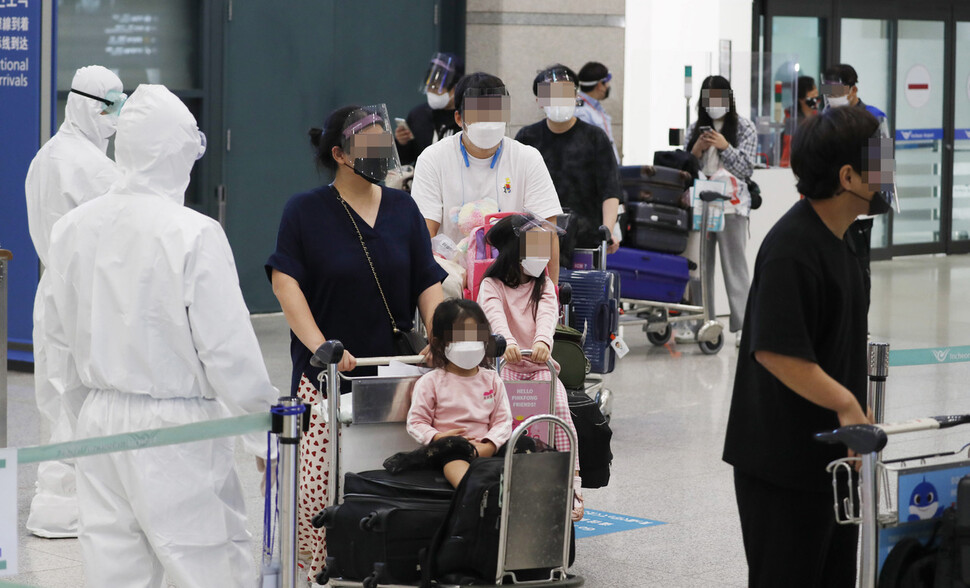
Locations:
column 490, row 395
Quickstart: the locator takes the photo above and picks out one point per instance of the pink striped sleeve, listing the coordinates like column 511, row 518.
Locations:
column 490, row 299
column 547, row 314
column 421, row 414
column 500, row 422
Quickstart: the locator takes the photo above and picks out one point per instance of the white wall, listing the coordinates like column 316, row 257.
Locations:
column 661, row 38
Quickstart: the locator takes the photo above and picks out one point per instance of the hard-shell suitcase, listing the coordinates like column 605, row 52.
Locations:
column 383, row 523
column 648, row 275
column 595, row 311
column 379, row 537
column 650, row 183
column 656, row 227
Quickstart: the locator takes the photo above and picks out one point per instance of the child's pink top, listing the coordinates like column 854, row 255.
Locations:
column 509, row 312
column 443, row 401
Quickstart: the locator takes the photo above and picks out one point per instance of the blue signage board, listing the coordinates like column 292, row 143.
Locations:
column 919, row 134
column 962, row 134
column 20, row 77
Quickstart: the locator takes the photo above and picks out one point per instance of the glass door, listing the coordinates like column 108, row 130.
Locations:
column 867, row 46
column 919, row 131
column 961, row 148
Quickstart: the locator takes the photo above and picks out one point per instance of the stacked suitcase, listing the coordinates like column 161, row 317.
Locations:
column 658, row 220
column 657, row 216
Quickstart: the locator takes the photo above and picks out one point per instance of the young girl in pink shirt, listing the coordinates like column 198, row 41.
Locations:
column 521, row 304
column 461, row 398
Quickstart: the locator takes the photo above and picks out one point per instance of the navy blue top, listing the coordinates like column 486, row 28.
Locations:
column 318, row 247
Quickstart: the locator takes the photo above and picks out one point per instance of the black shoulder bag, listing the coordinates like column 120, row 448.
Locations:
column 405, row 342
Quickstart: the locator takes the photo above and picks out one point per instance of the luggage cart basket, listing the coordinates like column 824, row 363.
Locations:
column 382, row 403
column 875, row 475
column 655, row 316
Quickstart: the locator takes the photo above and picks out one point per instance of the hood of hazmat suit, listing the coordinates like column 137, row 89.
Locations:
column 70, row 169
column 145, row 312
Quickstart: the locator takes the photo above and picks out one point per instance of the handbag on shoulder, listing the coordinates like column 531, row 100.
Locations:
column 405, row 342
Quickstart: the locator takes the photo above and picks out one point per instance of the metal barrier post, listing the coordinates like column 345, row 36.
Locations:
column 289, row 483
column 878, row 371
column 5, row 256
column 869, row 476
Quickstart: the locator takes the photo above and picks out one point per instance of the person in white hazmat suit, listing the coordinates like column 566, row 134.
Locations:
column 69, row 170
column 144, row 311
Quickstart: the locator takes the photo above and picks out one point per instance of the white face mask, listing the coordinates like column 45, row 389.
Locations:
column 465, row 354
column 559, row 114
column 486, row 135
column 438, row 101
column 534, row 266
column 834, row 101
column 716, row 112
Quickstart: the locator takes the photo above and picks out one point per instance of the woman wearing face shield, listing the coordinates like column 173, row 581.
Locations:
column 726, row 144
column 353, row 260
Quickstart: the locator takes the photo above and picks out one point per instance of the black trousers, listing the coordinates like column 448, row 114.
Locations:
column 791, row 538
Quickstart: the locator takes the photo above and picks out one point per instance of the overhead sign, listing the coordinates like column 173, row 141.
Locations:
column 917, row 87
column 20, row 75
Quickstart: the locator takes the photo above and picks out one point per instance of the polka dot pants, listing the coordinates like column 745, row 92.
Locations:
column 314, row 478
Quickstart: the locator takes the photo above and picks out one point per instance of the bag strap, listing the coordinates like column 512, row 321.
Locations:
column 367, row 255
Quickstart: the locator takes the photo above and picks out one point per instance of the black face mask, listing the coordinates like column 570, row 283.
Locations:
column 372, row 169
column 878, row 204
column 607, row 95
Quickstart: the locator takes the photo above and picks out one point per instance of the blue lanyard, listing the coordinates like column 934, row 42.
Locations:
column 495, row 157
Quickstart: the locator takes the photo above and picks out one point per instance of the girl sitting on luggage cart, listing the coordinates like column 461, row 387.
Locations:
column 521, row 304
column 459, row 410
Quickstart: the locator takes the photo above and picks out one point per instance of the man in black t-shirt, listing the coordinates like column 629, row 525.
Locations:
column 580, row 160
column 428, row 123
column 802, row 362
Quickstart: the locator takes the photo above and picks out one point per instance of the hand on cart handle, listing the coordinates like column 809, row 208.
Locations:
column 606, row 234
column 858, row 438
column 540, row 352
column 512, row 354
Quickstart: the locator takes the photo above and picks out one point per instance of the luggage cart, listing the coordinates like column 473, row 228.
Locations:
column 529, row 479
column 526, row 401
column 868, row 441
column 656, row 317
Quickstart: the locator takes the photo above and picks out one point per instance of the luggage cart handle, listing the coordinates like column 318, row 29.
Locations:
column 332, row 351
column 872, row 438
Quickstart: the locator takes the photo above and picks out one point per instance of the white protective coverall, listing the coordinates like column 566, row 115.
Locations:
column 69, row 170
column 145, row 311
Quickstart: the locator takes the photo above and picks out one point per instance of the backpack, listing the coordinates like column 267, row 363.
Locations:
column 593, row 434
column 465, row 548
column 567, row 350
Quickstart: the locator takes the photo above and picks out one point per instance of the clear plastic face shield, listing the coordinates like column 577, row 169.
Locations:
column 442, row 75
column 486, row 112
column 834, row 92
column 536, row 237
column 368, row 141
column 879, row 174
column 202, row 144
column 589, row 86
column 112, row 101
column 556, row 95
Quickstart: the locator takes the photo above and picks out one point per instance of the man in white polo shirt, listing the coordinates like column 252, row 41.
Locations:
column 482, row 163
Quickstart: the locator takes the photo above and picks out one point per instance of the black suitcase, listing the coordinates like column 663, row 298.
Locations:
column 383, row 524
column 661, row 185
column 656, row 227
column 430, row 484
column 595, row 310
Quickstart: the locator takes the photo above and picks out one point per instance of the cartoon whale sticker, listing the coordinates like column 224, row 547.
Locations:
column 924, row 503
